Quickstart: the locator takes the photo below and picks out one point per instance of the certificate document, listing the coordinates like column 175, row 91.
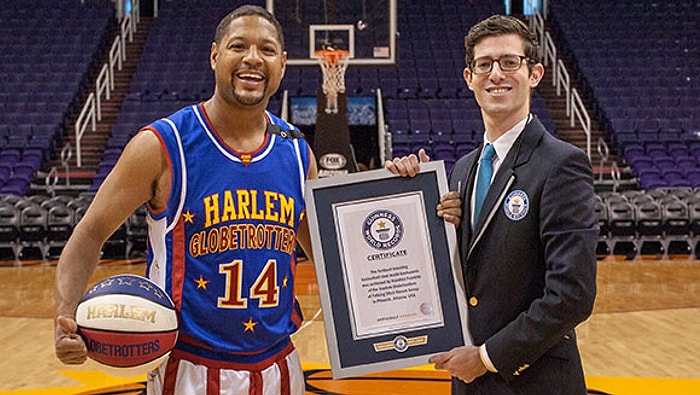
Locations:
column 388, row 265
column 388, row 269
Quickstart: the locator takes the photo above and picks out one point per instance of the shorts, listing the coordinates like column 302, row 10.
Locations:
column 187, row 374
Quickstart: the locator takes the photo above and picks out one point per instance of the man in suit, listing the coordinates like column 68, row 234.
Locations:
column 528, row 255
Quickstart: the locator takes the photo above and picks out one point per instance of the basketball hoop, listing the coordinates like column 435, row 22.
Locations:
column 333, row 63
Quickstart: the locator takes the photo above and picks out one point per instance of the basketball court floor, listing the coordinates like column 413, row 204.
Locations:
column 643, row 337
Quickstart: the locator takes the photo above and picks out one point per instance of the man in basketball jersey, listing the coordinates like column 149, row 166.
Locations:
column 224, row 182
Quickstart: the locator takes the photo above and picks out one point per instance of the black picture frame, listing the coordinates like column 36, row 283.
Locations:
column 352, row 356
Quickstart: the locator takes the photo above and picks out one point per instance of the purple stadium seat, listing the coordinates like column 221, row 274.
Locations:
column 428, row 88
column 664, row 162
column 439, row 113
column 693, row 176
column 408, row 87
column 462, row 149
column 420, row 127
column 399, row 150
column 401, row 139
column 654, row 148
column 441, row 126
column 398, row 126
column 15, row 186
column 677, row 149
column 685, row 161
column 632, row 151
column 642, row 163
column 650, row 181
column 419, row 114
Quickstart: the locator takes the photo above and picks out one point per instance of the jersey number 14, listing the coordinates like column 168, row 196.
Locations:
column 265, row 288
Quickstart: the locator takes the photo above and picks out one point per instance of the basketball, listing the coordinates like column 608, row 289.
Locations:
column 128, row 322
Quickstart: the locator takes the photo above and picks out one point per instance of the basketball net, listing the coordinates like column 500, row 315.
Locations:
column 333, row 63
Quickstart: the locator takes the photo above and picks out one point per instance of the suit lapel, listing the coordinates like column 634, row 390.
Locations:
column 487, row 215
column 505, row 176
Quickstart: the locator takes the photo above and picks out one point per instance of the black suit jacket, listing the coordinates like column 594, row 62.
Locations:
column 530, row 264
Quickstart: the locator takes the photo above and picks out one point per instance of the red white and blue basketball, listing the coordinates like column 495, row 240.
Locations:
column 127, row 321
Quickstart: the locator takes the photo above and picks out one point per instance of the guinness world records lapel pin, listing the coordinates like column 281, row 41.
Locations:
column 516, row 205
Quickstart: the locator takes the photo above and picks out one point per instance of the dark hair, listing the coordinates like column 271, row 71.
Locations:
column 248, row 10
column 498, row 25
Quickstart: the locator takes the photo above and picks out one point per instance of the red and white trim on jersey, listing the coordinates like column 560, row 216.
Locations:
column 187, row 374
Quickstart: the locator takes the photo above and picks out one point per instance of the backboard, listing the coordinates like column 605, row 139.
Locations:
column 365, row 28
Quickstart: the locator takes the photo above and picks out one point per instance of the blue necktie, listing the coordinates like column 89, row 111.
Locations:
column 483, row 179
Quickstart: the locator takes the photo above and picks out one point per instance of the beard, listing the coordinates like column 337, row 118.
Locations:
column 248, row 97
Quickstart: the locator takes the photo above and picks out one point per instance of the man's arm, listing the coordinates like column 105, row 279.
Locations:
column 303, row 235
column 134, row 180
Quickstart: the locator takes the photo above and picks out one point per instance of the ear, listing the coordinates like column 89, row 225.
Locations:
column 213, row 55
column 468, row 77
column 536, row 75
column 284, row 62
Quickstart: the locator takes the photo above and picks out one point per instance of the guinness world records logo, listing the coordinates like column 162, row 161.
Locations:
column 516, row 205
column 382, row 229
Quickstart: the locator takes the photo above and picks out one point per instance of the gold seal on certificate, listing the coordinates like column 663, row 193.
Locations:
column 388, row 269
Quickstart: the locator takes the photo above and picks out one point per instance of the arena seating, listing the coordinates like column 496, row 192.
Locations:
column 664, row 223
column 428, row 88
column 47, row 48
column 639, row 61
column 659, row 224
column 173, row 72
column 647, row 97
column 37, row 227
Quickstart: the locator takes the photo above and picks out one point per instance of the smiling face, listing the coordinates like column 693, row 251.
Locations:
column 504, row 98
column 248, row 62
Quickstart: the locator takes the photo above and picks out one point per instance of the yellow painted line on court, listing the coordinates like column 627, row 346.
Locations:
column 313, row 366
column 96, row 380
column 316, row 366
column 91, row 380
column 610, row 385
column 643, row 385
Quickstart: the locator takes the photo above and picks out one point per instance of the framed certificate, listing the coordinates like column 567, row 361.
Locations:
column 388, row 269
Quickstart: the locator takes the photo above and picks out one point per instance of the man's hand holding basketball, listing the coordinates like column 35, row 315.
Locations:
column 70, row 347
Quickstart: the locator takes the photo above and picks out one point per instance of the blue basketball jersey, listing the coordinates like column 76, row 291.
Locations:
column 224, row 245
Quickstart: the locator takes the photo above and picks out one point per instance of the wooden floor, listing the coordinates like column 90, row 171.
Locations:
column 643, row 338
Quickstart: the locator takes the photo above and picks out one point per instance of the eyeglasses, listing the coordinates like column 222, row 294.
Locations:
column 507, row 63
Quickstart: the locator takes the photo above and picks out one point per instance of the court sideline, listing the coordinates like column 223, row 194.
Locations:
column 642, row 338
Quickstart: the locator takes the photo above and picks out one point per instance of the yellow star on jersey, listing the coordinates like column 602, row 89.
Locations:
column 284, row 282
column 188, row 217
column 202, row 283
column 250, row 325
